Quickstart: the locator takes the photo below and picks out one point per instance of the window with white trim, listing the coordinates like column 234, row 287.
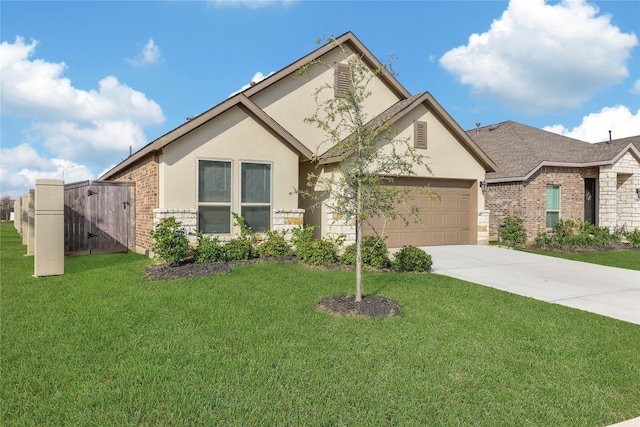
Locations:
column 553, row 204
column 255, row 195
column 214, row 196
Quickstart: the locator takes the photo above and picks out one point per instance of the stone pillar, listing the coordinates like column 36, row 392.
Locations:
column 338, row 226
column 49, row 228
column 483, row 227
column 31, row 221
column 287, row 219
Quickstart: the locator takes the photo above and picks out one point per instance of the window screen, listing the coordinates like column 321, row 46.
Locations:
column 255, row 197
column 214, row 196
column 553, row 204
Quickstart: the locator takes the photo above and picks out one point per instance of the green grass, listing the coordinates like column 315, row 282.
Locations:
column 629, row 259
column 101, row 345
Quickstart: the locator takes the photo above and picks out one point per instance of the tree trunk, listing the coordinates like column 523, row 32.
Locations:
column 358, row 260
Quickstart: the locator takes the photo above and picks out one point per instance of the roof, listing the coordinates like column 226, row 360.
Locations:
column 520, row 150
column 404, row 107
column 243, row 100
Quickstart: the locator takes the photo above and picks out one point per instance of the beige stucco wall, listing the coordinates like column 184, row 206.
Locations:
column 291, row 100
column 234, row 136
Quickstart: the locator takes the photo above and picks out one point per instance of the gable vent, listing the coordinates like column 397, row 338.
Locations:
column 420, row 135
column 342, row 81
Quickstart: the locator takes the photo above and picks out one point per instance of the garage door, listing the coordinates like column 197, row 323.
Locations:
column 444, row 222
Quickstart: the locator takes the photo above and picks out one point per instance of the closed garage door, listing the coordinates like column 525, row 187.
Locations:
column 444, row 222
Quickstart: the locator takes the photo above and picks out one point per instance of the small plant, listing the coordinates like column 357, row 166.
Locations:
column 209, row 249
column 542, row 239
column 302, row 235
column 513, row 232
column 275, row 245
column 633, row 237
column 238, row 249
column 170, row 243
column 410, row 258
column 374, row 252
column 317, row 252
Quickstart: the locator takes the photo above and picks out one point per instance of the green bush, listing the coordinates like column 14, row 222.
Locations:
column 513, row 232
column 170, row 243
column 302, row 235
column 374, row 252
column 317, row 252
column 542, row 239
column 571, row 234
column 274, row 245
column 209, row 249
column 410, row 258
column 633, row 237
column 238, row 249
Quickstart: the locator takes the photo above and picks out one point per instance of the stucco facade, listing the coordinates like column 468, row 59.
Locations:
column 265, row 125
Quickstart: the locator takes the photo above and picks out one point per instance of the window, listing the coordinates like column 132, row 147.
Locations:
column 255, row 197
column 420, row 135
column 342, row 85
column 553, row 204
column 214, row 196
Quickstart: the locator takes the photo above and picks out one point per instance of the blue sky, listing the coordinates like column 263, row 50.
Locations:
column 84, row 81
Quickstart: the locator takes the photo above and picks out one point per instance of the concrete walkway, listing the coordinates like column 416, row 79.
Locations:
column 609, row 291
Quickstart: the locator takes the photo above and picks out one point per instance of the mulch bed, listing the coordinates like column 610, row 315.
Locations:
column 370, row 306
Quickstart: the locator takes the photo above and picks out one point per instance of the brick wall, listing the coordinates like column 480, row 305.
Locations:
column 528, row 199
column 145, row 175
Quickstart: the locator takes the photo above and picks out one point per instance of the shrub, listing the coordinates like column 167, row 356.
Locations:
column 209, row 249
column 302, row 235
column 410, row 258
column 513, row 232
column 374, row 252
column 633, row 237
column 170, row 241
column 238, row 249
column 274, row 245
column 542, row 239
column 317, row 252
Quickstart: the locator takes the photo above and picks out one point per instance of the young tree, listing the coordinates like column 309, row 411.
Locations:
column 361, row 187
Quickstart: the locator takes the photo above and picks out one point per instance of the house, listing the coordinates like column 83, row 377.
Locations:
column 542, row 177
column 248, row 154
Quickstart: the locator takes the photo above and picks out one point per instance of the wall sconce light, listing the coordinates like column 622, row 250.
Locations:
column 638, row 192
column 483, row 186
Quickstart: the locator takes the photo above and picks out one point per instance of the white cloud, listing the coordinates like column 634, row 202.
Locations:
column 20, row 166
column 595, row 127
column 150, row 55
column 635, row 89
column 539, row 57
column 257, row 78
column 87, row 129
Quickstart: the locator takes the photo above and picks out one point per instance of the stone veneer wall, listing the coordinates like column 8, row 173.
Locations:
column 337, row 226
column 283, row 220
column 619, row 203
column 145, row 175
column 528, row 199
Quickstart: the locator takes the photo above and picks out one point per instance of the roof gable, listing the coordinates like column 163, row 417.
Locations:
column 403, row 107
column 239, row 100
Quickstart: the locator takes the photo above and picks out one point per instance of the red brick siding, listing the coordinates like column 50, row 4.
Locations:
column 145, row 174
column 528, row 200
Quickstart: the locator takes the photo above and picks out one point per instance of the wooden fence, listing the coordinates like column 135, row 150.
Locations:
column 99, row 216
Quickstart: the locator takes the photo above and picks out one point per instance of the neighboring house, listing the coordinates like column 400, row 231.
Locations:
column 542, row 177
column 249, row 153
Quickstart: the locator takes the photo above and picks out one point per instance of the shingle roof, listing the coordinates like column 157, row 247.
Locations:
column 519, row 150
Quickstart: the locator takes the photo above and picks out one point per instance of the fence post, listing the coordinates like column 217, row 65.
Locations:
column 49, row 228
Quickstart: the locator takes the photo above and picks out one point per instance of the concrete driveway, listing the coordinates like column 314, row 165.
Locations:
column 609, row 291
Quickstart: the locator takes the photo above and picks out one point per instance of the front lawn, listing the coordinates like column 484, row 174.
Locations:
column 625, row 258
column 101, row 345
